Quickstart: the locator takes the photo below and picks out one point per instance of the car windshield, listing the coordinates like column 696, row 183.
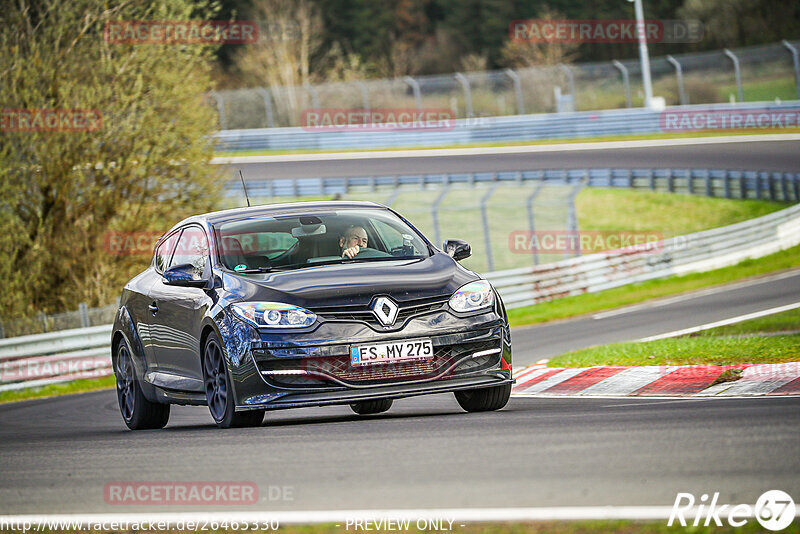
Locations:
column 296, row 241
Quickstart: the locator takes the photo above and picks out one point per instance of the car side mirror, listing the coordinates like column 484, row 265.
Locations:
column 457, row 249
column 185, row 275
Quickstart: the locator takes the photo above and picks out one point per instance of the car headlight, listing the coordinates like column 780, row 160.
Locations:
column 274, row 314
column 472, row 297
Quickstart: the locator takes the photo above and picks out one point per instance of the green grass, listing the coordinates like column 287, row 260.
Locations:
column 704, row 349
column 723, row 345
column 52, row 390
column 635, row 293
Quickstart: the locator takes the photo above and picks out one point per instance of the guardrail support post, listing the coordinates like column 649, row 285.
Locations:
column 267, row 106
column 2, row 332
column 220, row 108
column 679, row 76
column 709, row 189
column 736, row 73
column 625, row 80
column 652, row 179
column 43, row 318
column 84, row 313
column 727, row 184
column 784, row 187
column 485, row 217
column 796, row 183
column 364, row 94
column 531, row 226
column 467, row 93
column 415, row 88
column 758, row 185
column 435, row 214
column 511, row 73
column 796, row 63
column 671, row 181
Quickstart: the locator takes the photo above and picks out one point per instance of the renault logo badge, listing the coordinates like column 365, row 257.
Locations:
column 385, row 310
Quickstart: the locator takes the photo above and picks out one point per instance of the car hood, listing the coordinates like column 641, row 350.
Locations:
column 352, row 283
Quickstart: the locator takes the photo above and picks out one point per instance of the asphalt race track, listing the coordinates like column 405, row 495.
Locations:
column 752, row 155
column 58, row 455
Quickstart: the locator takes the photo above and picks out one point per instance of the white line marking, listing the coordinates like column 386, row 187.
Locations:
column 528, row 377
column 557, row 378
column 724, row 322
column 695, row 294
column 485, row 151
column 557, row 513
column 627, row 381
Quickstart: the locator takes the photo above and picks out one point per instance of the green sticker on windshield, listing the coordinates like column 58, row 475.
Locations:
column 240, row 267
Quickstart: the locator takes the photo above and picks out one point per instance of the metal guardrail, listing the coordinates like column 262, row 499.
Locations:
column 42, row 359
column 723, row 183
column 701, row 251
column 575, row 125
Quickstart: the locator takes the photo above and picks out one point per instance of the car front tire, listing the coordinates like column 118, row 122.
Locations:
column 371, row 407
column 484, row 399
column 137, row 412
column 219, row 393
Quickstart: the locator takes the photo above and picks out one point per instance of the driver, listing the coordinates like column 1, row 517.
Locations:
column 352, row 241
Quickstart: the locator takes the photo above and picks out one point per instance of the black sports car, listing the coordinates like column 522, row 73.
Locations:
column 305, row 304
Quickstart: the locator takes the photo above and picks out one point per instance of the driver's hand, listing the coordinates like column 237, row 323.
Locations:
column 351, row 252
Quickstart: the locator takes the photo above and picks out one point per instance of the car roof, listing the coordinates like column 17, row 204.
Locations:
column 268, row 210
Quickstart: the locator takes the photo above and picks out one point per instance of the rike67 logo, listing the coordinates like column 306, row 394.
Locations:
column 774, row 510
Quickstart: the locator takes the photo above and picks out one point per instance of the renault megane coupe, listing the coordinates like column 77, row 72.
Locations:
column 305, row 304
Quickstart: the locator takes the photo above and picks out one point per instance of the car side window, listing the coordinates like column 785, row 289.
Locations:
column 164, row 252
column 192, row 249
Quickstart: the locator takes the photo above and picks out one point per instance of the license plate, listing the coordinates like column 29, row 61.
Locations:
column 399, row 351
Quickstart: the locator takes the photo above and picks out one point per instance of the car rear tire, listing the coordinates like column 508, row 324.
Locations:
column 137, row 412
column 219, row 393
column 371, row 407
column 484, row 399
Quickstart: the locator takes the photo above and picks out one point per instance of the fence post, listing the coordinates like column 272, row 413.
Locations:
column 571, row 81
column 572, row 217
column 467, row 92
column 314, row 94
column 84, row 312
column 737, row 73
column 625, row 80
column 364, row 94
column 709, row 189
column 784, row 187
column 267, row 106
column 670, row 181
column 415, row 88
column 743, row 186
column 485, row 216
column 529, row 203
column 796, row 62
column 220, row 108
column 2, row 332
column 43, row 318
column 435, row 213
column 511, row 73
column 679, row 76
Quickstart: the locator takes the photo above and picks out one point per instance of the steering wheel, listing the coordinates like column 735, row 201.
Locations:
column 371, row 253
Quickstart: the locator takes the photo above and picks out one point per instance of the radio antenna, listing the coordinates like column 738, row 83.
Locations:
column 245, row 188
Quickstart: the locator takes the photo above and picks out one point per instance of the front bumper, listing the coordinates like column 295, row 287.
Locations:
column 287, row 370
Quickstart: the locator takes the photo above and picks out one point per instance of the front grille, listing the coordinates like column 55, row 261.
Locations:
column 361, row 313
column 336, row 370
